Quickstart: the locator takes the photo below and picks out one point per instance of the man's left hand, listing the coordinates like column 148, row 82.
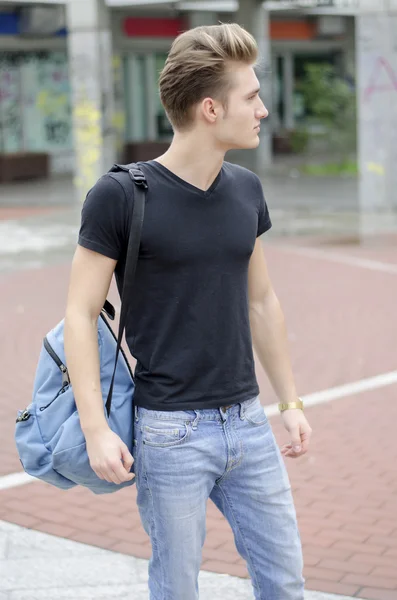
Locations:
column 300, row 431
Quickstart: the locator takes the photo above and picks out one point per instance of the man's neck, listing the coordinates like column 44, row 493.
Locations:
column 196, row 161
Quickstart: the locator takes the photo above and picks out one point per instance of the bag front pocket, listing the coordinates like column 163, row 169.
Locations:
column 61, row 391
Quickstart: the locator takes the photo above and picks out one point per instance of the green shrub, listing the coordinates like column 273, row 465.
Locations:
column 331, row 103
column 299, row 140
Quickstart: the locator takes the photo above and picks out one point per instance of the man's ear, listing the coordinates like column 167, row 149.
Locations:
column 210, row 110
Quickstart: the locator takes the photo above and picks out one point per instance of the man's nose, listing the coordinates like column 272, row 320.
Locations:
column 263, row 112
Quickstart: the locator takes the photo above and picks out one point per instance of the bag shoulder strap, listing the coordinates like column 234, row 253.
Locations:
column 135, row 184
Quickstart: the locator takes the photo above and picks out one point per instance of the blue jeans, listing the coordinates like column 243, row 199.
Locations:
column 182, row 458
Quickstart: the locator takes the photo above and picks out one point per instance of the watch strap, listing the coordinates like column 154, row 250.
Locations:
column 289, row 405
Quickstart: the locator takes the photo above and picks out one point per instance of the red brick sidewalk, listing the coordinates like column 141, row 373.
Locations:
column 22, row 212
column 342, row 326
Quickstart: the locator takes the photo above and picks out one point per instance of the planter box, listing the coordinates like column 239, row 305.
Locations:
column 23, row 165
column 143, row 151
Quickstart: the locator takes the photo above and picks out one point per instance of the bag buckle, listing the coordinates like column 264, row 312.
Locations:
column 138, row 178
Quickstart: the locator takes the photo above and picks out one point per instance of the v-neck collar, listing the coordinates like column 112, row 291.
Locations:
column 186, row 184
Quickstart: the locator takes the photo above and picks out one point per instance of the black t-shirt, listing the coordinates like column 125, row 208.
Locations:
column 188, row 325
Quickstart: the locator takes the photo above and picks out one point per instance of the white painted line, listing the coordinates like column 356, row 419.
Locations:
column 352, row 261
column 342, row 391
column 17, row 238
column 15, row 480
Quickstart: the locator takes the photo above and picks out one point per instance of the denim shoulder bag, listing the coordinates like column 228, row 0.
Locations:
column 48, row 435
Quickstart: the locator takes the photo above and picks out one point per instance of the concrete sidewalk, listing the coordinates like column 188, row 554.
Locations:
column 36, row 566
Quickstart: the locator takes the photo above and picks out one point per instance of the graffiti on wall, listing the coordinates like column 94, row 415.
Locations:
column 53, row 101
column 88, row 142
column 35, row 113
column 383, row 78
column 56, row 121
column 10, row 117
column 87, row 118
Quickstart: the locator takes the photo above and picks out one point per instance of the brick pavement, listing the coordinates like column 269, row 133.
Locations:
column 342, row 326
column 23, row 211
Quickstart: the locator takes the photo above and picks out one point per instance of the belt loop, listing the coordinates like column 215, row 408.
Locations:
column 195, row 422
column 242, row 411
column 136, row 413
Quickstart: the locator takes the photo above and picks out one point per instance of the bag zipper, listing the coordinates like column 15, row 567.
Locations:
column 61, row 391
column 58, row 362
column 63, row 368
column 24, row 416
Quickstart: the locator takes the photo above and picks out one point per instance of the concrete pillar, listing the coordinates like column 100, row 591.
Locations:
column 254, row 16
column 90, row 64
column 376, row 50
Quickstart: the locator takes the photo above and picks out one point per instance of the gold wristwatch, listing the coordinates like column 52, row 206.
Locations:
column 288, row 405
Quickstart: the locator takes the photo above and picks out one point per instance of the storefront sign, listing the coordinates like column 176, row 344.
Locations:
column 153, row 27
column 336, row 4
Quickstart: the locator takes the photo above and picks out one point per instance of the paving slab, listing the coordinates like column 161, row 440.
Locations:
column 82, row 572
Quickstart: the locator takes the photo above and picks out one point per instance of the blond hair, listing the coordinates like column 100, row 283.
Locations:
column 198, row 66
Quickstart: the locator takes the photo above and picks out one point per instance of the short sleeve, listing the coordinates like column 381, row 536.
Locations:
column 264, row 222
column 104, row 219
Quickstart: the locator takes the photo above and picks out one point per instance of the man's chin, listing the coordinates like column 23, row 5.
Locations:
column 249, row 145
column 253, row 144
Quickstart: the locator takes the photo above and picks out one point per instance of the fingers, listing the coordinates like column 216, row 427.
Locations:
column 289, row 451
column 118, row 473
column 300, row 434
column 114, row 472
column 296, row 441
column 127, row 458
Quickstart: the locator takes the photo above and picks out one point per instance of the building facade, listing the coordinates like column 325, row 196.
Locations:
column 35, row 94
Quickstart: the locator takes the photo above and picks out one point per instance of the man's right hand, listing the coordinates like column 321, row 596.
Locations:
column 109, row 456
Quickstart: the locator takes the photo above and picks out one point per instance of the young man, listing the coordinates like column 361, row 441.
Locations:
column 202, row 295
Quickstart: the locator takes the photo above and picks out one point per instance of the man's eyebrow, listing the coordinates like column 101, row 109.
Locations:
column 254, row 92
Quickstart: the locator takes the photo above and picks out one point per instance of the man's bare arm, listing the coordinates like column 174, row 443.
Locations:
column 269, row 335
column 268, row 328
column 90, row 280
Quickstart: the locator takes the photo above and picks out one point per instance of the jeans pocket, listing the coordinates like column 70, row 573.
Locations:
column 164, row 434
column 254, row 413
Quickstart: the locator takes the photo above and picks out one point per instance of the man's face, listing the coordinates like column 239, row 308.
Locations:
column 238, row 126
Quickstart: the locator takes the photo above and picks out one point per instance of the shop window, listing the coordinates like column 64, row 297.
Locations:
column 146, row 118
column 164, row 128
